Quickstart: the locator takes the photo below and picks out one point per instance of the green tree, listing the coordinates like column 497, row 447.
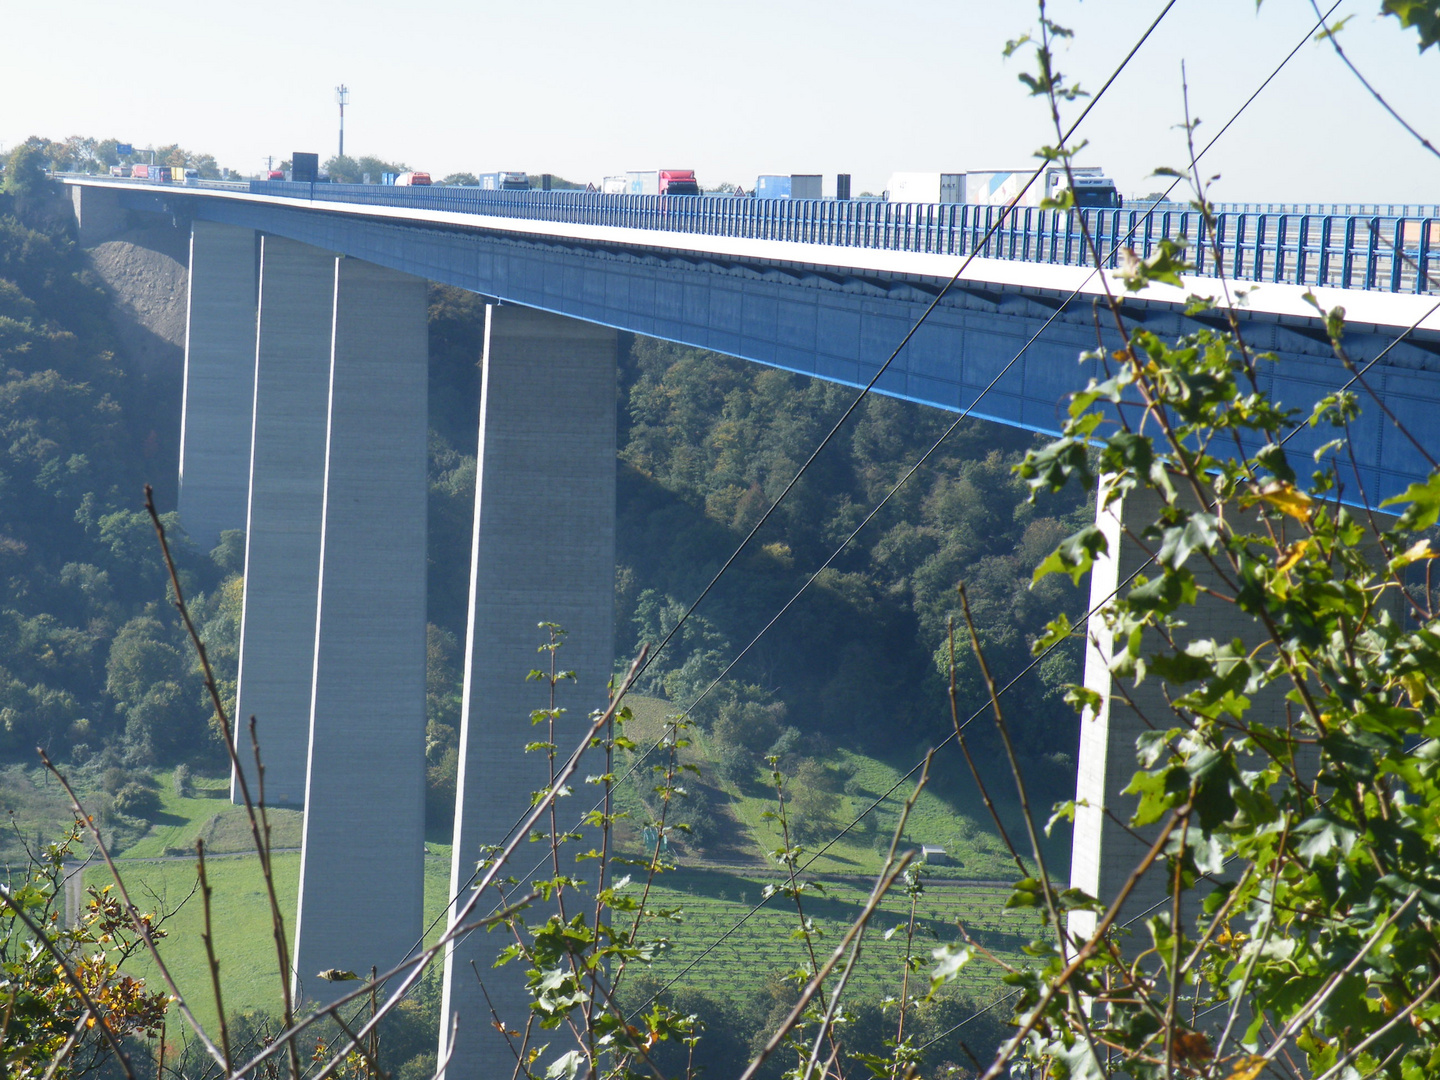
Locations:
column 25, row 178
column 814, row 803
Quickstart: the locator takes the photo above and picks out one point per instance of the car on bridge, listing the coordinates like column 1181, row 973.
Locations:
column 413, row 179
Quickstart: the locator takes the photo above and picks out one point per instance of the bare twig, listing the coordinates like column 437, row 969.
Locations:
column 207, row 936
column 882, row 886
column 461, row 925
column 1330, row 35
column 61, row 1058
column 1061, row 982
column 827, row 1024
column 259, row 833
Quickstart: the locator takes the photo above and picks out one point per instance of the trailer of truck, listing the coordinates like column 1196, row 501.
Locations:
column 661, row 182
column 927, row 187
column 791, row 186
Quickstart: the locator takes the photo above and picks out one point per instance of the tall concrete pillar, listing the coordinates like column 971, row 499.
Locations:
column 219, row 382
column 1103, row 854
column 361, row 865
column 287, row 492
column 543, row 551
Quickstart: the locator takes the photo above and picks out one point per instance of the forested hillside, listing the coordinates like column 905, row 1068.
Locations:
column 91, row 664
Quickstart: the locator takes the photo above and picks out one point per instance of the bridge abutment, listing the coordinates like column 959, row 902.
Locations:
column 219, row 382
column 287, row 492
column 543, row 551
column 97, row 213
column 361, row 865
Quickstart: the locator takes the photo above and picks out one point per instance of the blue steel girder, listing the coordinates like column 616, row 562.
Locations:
column 840, row 324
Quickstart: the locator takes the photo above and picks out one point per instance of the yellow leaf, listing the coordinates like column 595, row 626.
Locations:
column 1415, row 687
column 1416, row 552
column 1288, row 499
column 1248, row 1068
column 1293, row 554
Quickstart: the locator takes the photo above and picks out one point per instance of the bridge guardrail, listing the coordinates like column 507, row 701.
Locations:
column 1384, row 210
column 1384, row 252
column 1377, row 252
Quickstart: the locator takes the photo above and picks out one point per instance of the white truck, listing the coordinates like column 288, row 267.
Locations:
column 926, row 187
column 1002, row 187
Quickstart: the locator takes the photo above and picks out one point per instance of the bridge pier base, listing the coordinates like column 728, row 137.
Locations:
column 362, row 860
column 219, row 382
column 287, row 494
column 543, row 551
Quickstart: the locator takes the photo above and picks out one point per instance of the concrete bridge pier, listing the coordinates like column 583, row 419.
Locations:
column 219, row 381
column 543, row 551
column 287, row 495
column 361, row 865
column 1103, row 855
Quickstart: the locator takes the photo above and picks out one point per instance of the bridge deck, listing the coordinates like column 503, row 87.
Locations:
column 1383, row 250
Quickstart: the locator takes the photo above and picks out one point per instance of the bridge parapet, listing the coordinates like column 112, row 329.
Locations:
column 1373, row 251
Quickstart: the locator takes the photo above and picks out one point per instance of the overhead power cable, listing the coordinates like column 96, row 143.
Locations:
column 915, row 327
column 911, row 471
column 950, row 429
column 835, row 428
column 1037, row 660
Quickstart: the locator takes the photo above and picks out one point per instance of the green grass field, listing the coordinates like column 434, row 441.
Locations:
column 39, row 811
column 713, row 897
column 240, row 916
column 208, row 813
column 710, row 903
column 950, row 812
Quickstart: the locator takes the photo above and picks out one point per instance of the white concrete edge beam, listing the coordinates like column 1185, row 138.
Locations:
column 1285, row 301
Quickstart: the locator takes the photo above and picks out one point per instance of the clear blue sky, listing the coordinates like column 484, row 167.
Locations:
column 731, row 88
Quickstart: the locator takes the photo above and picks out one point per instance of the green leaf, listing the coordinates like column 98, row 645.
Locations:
column 565, row 1067
column 1421, row 15
column 949, row 959
column 1075, row 555
column 1424, row 504
column 1323, row 834
column 1198, row 533
column 1165, row 264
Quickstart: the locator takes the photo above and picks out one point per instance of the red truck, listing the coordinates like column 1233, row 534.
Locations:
column 662, row 182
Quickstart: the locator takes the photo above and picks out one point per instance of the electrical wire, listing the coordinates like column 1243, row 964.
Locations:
column 964, row 414
column 865, row 391
column 859, row 817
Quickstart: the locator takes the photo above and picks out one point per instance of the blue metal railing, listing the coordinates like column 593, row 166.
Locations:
column 1377, row 251
column 1385, row 248
column 1384, row 210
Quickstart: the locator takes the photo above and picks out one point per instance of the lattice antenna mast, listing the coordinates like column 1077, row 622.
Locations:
column 342, row 95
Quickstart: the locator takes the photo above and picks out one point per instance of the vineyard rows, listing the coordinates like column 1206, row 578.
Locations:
column 766, row 945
